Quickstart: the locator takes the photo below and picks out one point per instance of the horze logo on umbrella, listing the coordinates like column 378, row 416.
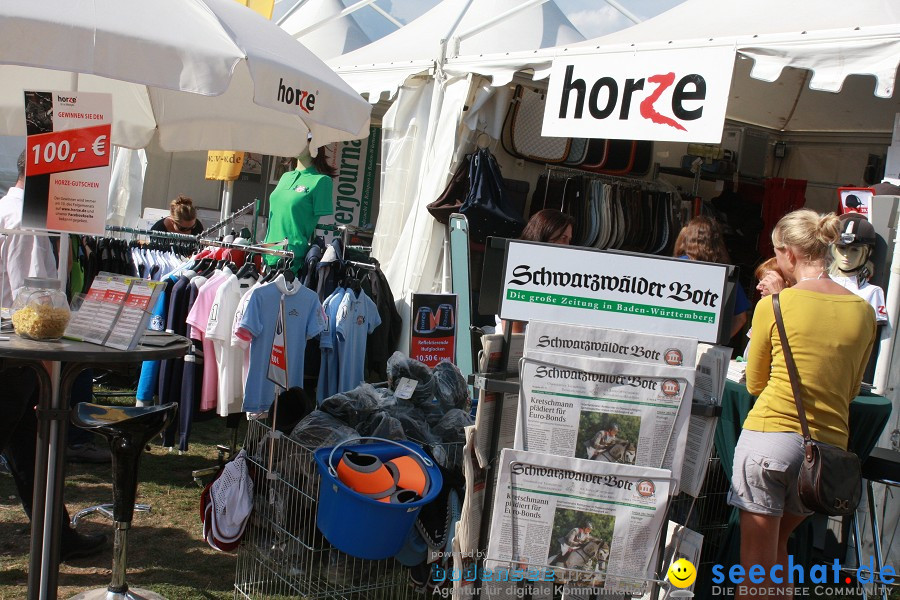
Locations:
column 305, row 99
column 690, row 87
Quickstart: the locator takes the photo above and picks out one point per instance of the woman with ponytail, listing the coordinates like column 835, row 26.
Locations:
column 831, row 332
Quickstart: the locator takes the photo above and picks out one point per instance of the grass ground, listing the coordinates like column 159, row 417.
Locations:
column 166, row 551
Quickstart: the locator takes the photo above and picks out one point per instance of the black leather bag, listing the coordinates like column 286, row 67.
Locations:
column 830, row 479
column 486, row 206
column 453, row 196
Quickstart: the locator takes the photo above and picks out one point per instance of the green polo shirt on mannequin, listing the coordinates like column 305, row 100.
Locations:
column 296, row 204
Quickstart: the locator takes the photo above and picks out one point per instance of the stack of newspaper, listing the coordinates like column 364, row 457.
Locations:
column 737, row 371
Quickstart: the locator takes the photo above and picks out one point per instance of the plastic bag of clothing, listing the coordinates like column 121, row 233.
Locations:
column 353, row 407
column 383, row 425
column 319, row 429
column 386, row 398
column 450, row 428
column 412, row 419
column 450, row 387
column 400, row 366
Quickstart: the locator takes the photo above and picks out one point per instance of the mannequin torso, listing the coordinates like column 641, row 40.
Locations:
column 301, row 197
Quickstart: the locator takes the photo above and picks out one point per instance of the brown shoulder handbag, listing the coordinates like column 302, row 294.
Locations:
column 830, row 482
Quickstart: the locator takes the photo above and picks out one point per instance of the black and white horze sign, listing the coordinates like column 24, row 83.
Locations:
column 673, row 96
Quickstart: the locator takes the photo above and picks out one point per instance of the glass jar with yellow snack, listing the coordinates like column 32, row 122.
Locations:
column 40, row 310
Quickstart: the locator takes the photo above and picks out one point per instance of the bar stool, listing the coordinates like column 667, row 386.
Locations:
column 127, row 429
column 882, row 466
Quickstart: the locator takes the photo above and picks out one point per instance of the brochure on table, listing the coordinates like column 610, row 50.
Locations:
column 540, row 499
column 114, row 312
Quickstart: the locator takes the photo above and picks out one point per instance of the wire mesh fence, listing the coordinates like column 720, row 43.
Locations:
column 283, row 554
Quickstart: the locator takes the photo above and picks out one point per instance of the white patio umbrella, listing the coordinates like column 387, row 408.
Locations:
column 200, row 74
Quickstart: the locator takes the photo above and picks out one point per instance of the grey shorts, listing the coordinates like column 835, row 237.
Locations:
column 764, row 476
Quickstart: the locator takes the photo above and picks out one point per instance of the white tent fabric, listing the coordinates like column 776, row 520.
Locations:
column 126, row 187
column 425, row 121
column 331, row 39
column 385, row 64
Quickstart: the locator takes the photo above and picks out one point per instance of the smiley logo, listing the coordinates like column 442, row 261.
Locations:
column 682, row 573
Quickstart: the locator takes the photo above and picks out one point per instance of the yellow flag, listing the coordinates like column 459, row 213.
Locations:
column 224, row 165
column 262, row 7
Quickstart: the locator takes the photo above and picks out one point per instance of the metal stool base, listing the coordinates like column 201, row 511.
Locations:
column 105, row 594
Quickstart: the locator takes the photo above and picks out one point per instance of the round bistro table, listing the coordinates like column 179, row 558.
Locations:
column 68, row 359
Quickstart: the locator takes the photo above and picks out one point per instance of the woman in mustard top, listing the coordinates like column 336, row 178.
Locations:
column 831, row 333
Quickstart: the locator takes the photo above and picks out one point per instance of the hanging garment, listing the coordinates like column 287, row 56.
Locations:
column 228, row 358
column 304, row 318
column 328, row 368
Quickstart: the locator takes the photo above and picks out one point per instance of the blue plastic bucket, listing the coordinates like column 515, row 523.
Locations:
column 359, row 525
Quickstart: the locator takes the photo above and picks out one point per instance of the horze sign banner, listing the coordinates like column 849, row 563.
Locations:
column 620, row 291
column 666, row 96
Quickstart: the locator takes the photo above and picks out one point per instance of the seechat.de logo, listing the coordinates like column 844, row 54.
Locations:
column 682, row 573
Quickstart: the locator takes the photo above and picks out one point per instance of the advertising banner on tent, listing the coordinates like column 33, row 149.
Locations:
column 354, row 184
column 606, row 289
column 434, row 328
column 664, row 96
column 67, row 161
column 223, row 165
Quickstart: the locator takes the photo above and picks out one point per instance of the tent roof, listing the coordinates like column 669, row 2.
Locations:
column 383, row 65
column 807, row 47
column 334, row 38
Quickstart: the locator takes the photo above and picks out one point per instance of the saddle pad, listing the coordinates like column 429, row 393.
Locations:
column 525, row 130
column 643, row 158
column 620, row 158
column 578, row 151
column 597, row 151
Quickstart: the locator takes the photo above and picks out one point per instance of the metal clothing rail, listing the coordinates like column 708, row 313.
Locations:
column 159, row 234
column 228, row 220
column 272, row 251
column 659, row 185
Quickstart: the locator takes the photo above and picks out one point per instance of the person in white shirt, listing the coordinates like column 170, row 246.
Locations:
column 24, row 256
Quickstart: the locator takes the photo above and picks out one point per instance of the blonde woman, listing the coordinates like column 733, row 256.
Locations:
column 831, row 332
column 182, row 218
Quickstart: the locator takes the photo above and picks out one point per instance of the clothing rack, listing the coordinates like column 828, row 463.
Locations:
column 228, row 220
column 361, row 265
column 657, row 184
column 253, row 249
column 158, row 234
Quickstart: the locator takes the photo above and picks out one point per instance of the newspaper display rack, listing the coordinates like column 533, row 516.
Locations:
column 569, row 434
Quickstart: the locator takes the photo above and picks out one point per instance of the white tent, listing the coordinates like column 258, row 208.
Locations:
column 421, row 130
column 830, row 46
column 824, row 66
column 333, row 36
